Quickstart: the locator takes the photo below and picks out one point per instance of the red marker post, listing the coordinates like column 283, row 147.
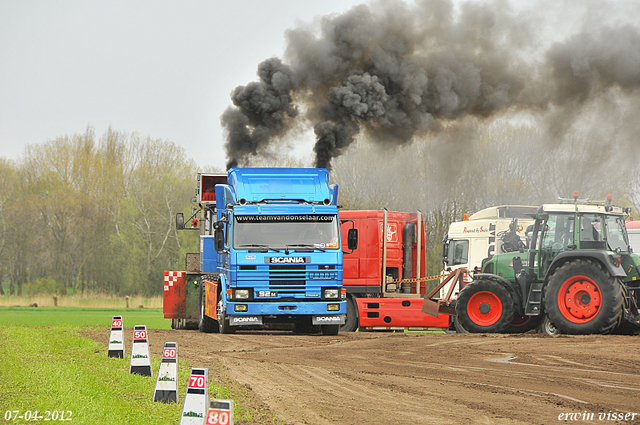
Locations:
column 220, row 412
column 116, row 339
column 194, row 408
column 140, row 360
column 167, row 383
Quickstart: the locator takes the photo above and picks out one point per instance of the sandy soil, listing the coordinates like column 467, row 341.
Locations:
column 416, row 378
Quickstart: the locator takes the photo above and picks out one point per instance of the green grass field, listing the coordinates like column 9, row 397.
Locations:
column 49, row 368
column 85, row 301
column 53, row 369
column 72, row 316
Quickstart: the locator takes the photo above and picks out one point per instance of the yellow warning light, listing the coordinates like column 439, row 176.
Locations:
column 575, row 195
column 465, row 217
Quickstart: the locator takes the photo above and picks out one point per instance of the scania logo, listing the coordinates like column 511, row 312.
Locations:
column 286, row 260
column 328, row 319
column 245, row 319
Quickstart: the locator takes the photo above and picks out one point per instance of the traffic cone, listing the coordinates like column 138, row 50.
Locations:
column 196, row 399
column 116, row 339
column 167, row 383
column 140, row 361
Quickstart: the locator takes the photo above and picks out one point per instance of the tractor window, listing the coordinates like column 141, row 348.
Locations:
column 557, row 234
column 458, row 252
column 591, row 232
column 616, row 233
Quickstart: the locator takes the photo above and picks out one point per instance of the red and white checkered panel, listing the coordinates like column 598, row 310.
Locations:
column 170, row 278
column 174, row 295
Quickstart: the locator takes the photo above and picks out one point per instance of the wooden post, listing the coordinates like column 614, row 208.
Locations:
column 127, row 301
column 55, row 300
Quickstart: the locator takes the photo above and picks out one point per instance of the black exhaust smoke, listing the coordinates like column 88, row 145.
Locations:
column 396, row 70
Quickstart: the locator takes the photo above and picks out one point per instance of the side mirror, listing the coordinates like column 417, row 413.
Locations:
column 445, row 251
column 352, row 239
column 218, row 240
column 179, row 221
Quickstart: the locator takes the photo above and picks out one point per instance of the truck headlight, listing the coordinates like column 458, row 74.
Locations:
column 333, row 307
column 242, row 294
column 331, row 293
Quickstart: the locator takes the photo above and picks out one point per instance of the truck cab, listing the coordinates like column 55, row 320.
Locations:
column 633, row 232
column 278, row 243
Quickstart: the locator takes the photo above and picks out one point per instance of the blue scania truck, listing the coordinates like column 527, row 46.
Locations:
column 270, row 254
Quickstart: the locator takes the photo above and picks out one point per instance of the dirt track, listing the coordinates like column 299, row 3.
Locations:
column 387, row 378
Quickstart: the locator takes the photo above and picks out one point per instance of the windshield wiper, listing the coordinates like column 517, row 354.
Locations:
column 304, row 247
column 258, row 247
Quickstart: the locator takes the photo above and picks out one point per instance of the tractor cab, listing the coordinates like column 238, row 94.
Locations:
column 562, row 229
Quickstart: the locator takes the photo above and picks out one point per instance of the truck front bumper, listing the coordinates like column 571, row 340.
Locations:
column 329, row 312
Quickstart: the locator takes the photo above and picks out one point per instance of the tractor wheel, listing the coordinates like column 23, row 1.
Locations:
column 351, row 321
column 582, row 298
column 458, row 327
column 522, row 324
column 546, row 327
column 205, row 323
column 627, row 328
column 484, row 306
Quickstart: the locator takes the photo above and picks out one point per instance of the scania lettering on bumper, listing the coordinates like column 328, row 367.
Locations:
column 328, row 320
column 245, row 320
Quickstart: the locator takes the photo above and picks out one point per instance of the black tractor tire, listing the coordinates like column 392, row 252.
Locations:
column 485, row 306
column 458, row 327
column 352, row 320
column 205, row 323
column 330, row 329
column 547, row 327
column 582, row 298
column 627, row 328
column 522, row 324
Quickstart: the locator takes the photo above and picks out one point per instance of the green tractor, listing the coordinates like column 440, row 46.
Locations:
column 577, row 274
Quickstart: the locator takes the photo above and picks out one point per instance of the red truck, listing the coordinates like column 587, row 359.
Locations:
column 380, row 275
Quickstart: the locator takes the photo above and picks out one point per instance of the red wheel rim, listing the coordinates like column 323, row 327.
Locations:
column 484, row 308
column 579, row 299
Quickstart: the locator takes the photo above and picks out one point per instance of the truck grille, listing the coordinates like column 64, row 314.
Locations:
column 288, row 267
column 288, row 280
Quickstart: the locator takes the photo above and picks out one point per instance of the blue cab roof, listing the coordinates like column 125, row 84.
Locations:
column 259, row 184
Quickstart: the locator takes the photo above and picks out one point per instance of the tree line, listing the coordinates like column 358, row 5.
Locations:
column 82, row 214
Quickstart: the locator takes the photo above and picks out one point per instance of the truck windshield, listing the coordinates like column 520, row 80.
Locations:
column 616, row 233
column 458, row 252
column 282, row 231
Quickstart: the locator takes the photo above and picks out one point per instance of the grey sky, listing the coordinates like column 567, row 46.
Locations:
column 163, row 69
